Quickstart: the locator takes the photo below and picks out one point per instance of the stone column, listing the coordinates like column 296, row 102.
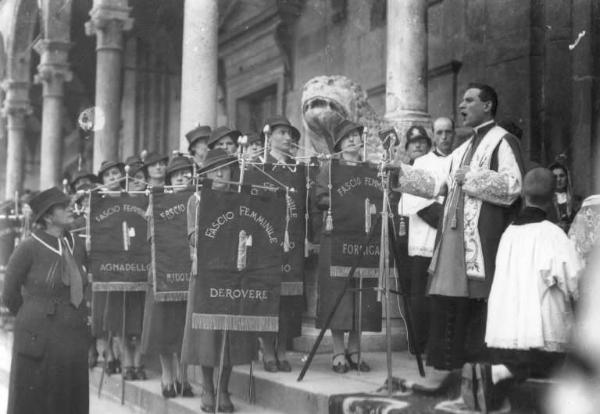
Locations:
column 199, row 66
column 16, row 108
column 109, row 19
column 53, row 71
column 406, row 79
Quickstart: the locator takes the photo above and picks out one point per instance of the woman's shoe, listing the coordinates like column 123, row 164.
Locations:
column 270, row 366
column 339, row 367
column 185, row 389
column 225, row 404
column 168, row 391
column 207, row 401
column 129, row 374
column 364, row 367
column 92, row 357
column 284, row 366
column 109, row 367
column 140, row 373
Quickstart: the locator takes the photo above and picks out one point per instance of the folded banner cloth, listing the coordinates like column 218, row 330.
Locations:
column 356, row 197
column 118, row 244
column 171, row 262
column 295, row 178
column 240, row 253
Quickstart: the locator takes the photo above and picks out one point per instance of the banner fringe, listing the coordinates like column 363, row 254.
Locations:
column 291, row 288
column 119, row 286
column 343, row 271
column 246, row 323
column 171, row 296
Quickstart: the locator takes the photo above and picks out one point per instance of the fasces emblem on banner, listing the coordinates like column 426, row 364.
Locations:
column 293, row 265
column 240, row 253
column 171, row 261
column 356, row 197
column 119, row 249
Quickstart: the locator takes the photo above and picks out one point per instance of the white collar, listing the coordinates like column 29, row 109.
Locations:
column 59, row 251
column 478, row 127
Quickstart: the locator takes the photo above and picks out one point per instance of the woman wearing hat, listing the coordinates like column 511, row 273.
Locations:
column 164, row 321
column 347, row 145
column 138, row 175
column 129, row 346
column 155, row 165
column 44, row 288
column 111, row 175
column 282, row 138
column 224, row 138
column 255, row 146
column 198, row 143
column 202, row 347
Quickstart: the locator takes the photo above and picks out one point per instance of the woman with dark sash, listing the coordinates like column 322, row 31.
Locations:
column 130, row 345
column 564, row 203
column 203, row 347
column 348, row 143
column 44, row 287
column 164, row 321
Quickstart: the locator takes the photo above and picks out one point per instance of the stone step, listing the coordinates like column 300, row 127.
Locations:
column 371, row 341
column 146, row 397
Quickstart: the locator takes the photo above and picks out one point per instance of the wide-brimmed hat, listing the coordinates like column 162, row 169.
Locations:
column 222, row 132
column 42, row 202
column 215, row 158
column 177, row 163
column 107, row 165
column 154, row 157
column 135, row 164
column 255, row 137
column 80, row 175
column 196, row 134
column 343, row 129
column 417, row 132
column 280, row 120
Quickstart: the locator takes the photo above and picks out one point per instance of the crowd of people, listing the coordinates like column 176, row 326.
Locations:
column 492, row 275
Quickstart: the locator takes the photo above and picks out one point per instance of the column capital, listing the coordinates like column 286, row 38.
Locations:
column 53, row 69
column 108, row 20
column 16, row 101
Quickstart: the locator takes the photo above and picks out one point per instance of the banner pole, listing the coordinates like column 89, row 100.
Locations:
column 221, row 363
column 123, row 344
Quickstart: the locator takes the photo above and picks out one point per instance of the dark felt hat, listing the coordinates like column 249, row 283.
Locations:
column 343, row 129
column 154, row 157
column 135, row 164
column 81, row 174
column 255, row 137
column 416, row 132
column 42, row 202
column 196, row 134
column 222, row 132
column 214, row 158
column 177, row 163
column 107, row 165
column 280, row 120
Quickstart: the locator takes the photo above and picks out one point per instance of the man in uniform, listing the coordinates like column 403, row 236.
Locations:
column 483, row 181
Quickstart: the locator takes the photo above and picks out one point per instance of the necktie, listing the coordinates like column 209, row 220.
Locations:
column 71, row 275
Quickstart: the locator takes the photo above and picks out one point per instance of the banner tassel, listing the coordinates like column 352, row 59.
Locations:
column 329, row 222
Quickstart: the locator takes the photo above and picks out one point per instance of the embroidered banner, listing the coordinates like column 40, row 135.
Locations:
column 240, row 246
column 119, row 251
column 356, row 197
column 295, row 178
column 171, row 261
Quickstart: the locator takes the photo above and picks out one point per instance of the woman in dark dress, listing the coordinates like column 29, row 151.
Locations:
column 348, row 142
column 44, row 286
column 130, row 344
column 162, row 332
column 111, row 175
column 202, row 347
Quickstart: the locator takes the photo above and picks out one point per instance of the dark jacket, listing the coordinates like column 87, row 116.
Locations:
column 51, row 337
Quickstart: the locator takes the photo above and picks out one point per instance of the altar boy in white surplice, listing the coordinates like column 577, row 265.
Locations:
column 530, row 310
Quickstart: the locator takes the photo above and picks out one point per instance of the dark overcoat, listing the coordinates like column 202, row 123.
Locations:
column 49, row 371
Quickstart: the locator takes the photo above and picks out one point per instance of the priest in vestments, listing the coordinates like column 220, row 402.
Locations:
column 482, row 184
